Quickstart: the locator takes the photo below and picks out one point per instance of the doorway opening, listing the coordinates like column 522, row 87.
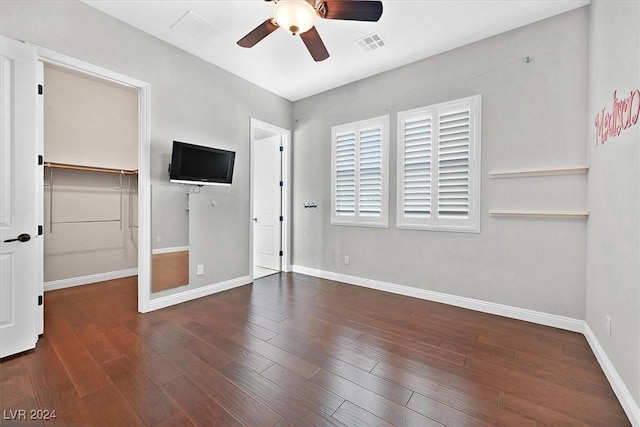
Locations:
column 270, row 212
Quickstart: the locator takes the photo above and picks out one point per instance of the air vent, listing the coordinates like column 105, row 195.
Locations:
column 196, row 28
column 371, row 42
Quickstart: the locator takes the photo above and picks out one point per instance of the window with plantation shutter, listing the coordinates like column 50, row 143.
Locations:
column 359, row 173
column 439, row 166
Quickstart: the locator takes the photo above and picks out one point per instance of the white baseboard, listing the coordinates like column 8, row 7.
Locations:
column 575, row 325
column 92, row 278
column 170, row 250
column 169, row 300
column 567, row 323
column 623, row 394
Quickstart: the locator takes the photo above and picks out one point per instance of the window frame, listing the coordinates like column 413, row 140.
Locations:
column 357, row 218
column 434, row 221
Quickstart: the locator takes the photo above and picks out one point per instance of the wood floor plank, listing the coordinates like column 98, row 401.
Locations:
column 304, row 389
column 345, row 351
column 446, row 414
column 200, row 409
column 361, row 323
column 149, row 402
column 85, row 373
column 15, row 384
column 481, row 351
column 233, row 399
column 53, row 387
column 320, row 328
column 238, row 353
column 70, row 311
column 576, row 404
column 381, row 386
column 179, row 419
column 564, row 374
column 96, row 342
column 383, row 349
column 353, row 415
column 24, row 414
column 146, row 330
column 460, row 393
column 387, row 410
column 108, row 407
column 284, row 403
column 144, row 358
column 205, row 352
column 542, row 415
column 278, row 328
column 276, row 354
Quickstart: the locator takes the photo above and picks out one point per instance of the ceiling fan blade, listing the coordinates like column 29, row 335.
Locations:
column 258, row 33
column 315, row 44
column 352, row 10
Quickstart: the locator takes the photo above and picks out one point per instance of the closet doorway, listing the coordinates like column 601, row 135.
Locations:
column 270, row 146
column 95, row 197
column 90, row 179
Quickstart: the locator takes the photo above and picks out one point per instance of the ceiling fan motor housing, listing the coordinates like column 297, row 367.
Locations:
column 295, row 16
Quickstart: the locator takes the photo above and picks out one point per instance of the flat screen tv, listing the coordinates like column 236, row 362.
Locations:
column 199, row 165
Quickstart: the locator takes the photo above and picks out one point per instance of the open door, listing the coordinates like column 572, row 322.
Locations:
column 18, row 198
column 267, row 202
column 270, row 210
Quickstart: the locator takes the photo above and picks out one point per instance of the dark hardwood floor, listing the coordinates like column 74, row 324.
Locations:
column 293, row 350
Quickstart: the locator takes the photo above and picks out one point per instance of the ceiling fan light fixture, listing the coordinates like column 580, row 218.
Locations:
column 295, row 16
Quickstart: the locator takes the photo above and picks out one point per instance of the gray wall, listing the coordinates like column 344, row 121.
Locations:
column 191, row 100
column 613, row 256
column 533, row 116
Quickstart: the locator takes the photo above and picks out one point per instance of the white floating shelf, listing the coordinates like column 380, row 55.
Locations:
column 540, row 214
column 558, row 170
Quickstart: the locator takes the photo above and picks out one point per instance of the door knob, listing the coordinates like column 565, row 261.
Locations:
column 255, row 219
column 23, row 238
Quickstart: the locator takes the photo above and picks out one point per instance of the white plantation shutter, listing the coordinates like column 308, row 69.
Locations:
column 416, row 183
column 453, row 162
column 360, row 176
column 370, row 188
column 439, row 166
column 345, row 174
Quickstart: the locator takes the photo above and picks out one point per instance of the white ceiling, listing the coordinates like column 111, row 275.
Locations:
column 411, row 29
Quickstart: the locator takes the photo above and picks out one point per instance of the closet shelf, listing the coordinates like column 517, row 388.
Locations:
column 121, row 172
column 89, row 168
column 556, row 170
column 539, row 214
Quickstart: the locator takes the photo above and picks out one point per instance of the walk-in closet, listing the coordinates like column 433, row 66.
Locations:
column 90, row 179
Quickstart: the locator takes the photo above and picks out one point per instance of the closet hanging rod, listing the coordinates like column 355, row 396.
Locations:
column 90, row 168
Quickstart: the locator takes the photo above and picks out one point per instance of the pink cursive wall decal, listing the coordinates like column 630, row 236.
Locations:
column 624, row 114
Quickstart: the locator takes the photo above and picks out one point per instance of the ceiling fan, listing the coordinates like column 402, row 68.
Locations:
column 297, row 17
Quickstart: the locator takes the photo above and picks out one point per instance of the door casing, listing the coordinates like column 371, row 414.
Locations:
column 260, row 130
column 144, row 149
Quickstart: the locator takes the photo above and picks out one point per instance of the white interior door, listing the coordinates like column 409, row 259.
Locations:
column 18, row 192
column 266, row 202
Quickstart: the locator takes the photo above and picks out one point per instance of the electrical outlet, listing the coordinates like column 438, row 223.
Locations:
column 607, row 324
column 200, row 270
column 158, row 239
column 346, row 260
